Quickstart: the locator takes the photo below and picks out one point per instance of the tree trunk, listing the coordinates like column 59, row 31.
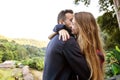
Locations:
column 117, row 10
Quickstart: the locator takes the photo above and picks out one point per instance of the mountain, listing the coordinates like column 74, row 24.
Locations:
column 32, row 42
column 23, row 41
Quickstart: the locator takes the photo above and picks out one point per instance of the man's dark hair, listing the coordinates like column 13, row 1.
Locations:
column 61, row 15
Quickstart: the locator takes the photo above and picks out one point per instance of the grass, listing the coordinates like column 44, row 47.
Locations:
column 10, row 74
column 5, row 74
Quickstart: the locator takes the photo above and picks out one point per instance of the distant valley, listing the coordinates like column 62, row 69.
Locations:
column 23, row 41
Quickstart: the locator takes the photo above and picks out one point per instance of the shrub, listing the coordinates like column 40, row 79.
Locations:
column 113, row 62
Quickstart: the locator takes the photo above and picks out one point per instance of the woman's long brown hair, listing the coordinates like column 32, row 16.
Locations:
column 89, row 41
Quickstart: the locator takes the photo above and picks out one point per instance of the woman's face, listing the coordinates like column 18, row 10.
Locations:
column 75, row 28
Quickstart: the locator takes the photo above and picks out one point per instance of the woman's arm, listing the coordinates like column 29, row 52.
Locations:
column 63, row 34
column 52, row 35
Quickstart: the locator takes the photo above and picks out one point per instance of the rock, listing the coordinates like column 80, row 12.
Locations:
column 114, row 78
column 26, row 73
column 29, row 76
column 25, row 70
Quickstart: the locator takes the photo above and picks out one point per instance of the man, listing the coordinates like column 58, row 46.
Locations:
column 63, row 59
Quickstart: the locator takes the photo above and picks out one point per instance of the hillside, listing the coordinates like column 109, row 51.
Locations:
column 24, row 41
column 31, row 42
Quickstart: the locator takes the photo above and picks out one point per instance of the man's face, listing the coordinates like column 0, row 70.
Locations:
column 68, row 20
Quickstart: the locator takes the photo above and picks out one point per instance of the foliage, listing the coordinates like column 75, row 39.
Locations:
column 14, row 51
column 86, row 2
column 25, row 54
column 10, row 74
column 105, row 5
column 7, row 56
column 108, row 22
column 109, row 26
column 35, row 63
column 113, row 62
column 5, row 74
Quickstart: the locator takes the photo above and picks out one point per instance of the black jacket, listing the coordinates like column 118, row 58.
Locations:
column 64, row 61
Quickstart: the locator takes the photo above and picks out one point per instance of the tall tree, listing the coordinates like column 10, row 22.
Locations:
column 106, row 5
column 117, row 10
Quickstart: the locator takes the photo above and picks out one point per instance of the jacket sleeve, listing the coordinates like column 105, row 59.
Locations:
column 75, row 59
column 58, row 27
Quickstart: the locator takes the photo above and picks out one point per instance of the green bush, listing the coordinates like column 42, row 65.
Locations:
column 35, row 63
column 113, row 62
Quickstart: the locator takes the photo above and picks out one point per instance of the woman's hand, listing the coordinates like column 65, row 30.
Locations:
column 64, row 35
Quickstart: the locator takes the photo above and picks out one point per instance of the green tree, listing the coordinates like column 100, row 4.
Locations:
column 7, row 51
column 106, row 5
column 7, row 56
column 21, row 52
column 108, row 22
column 2, row 49
column 109, row 26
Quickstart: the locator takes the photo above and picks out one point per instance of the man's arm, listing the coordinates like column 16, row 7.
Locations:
column 76, row 59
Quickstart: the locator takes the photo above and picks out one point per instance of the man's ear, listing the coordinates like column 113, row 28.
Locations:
column 60, row 21
column 63, row 22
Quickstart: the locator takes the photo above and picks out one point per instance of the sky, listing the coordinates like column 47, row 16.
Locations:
column 35, row 19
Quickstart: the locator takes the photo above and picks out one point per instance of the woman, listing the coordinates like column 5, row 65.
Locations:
column 87, row 33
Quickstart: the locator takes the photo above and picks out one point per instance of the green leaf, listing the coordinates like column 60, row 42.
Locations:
column 115, row 69
column 117, row 48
